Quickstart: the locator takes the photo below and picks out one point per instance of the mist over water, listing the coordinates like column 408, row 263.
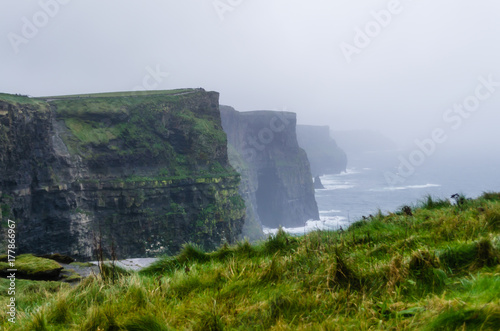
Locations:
column 363, row 189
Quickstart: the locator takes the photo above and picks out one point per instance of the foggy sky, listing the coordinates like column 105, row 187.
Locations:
column 272, row 54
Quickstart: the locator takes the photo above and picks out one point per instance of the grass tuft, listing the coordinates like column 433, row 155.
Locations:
column 280, row 242
column 193, row 253
column 210, row 321
column 273, row 271
column 487, row 255
column 340, row 274
column 39, row 322
column 467, row 319
column 424, row 269
column 470, row 256
column 431, row 203
column 491, row 196
column 492, row 216
column 61, row 313
column 147, row 322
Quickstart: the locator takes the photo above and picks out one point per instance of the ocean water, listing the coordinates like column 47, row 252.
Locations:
column 363, row 189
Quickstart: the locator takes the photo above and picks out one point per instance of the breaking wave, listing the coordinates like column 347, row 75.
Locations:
column 326, row 223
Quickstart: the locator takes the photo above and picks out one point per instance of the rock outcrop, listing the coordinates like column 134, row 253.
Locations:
column 276, row 178
column 144, row 172
column 322, row 151
column 318, row 185
column 31, row 267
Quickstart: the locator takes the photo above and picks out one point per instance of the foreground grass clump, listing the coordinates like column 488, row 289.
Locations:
column 434, row 267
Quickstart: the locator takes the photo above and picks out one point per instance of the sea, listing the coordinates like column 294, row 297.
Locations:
column 364, row 189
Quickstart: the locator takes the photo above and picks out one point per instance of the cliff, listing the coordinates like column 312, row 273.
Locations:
column 322, row 151
column 276, row 178
column 145, row 172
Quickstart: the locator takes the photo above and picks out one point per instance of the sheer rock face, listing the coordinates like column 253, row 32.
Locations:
column 143, row 173
column 325, row 156
column 276, row 178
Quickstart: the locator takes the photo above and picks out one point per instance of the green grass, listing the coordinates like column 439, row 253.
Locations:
column 157, row 127
column 20, row 99
column 176, row 130
column 436, row 270
column 70, row 275
column 431, row 203
column 91, row 133
column 120, row 94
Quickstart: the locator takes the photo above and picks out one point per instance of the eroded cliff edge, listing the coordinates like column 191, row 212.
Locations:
column 144, row 171
column 276, row 177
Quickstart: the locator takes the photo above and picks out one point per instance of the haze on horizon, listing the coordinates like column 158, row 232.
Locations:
column 402, row 75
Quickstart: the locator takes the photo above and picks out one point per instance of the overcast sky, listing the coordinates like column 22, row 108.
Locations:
column 392, row 66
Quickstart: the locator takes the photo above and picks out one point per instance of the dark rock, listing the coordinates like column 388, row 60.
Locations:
column 31, row 267
column 47, row 275
column 317, row 183
column 58, row 258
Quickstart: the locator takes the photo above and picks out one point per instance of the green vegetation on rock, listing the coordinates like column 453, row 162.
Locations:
column 418, row 269
column 139, row 126
column 20, row 99
column 31, row 267
column 121, row 94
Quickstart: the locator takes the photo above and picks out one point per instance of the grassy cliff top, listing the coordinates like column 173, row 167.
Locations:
column 177, row 131
column 171, row 134
column 122, row 94
column 18, row 99
column 430, row 267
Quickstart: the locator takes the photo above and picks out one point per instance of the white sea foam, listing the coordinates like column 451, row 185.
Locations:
column 338, row 187
column 332, row 183
column 348, row 172
column 329, row 211
column 409, row 187
column 326, row 223
column 329, row 181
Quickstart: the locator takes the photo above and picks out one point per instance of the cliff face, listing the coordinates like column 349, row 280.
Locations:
column 276, row 178
column 145, row 172
column 322, row 151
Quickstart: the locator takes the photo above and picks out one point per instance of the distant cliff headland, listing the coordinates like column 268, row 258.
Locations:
column 276, row 177
column 145, row 171
column 325, row 156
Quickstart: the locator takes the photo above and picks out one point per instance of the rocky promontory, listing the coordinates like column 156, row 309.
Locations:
column 276, row 178
column 325, row 156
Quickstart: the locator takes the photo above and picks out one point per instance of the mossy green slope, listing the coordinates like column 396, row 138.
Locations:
column 31, row 267
column 157, row 128
column 431, row 267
